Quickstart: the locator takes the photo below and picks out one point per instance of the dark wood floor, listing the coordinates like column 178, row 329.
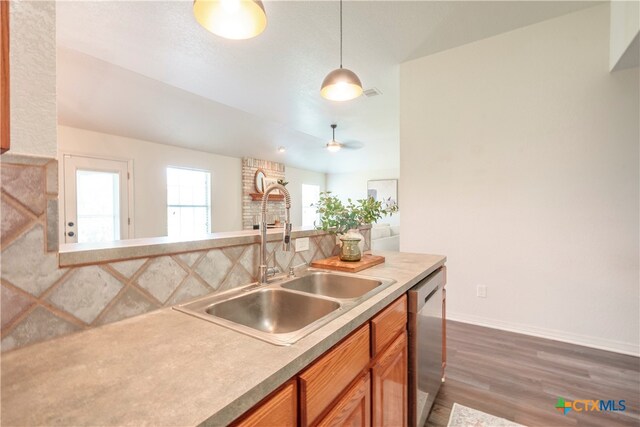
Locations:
column 519, row 377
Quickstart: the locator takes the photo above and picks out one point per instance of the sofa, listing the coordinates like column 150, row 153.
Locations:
column 385, row 237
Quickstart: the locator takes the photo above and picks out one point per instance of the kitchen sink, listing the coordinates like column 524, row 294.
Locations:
column 273, row 311
column 333, row 285
column 286, row 310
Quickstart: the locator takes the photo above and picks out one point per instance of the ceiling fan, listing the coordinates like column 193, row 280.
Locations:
column 334, row 145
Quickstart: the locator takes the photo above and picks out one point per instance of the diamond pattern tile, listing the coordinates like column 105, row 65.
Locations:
column 190, row 258
column 234, row 252
column 12, row 220
column 283, row 259
column 86, row 292
column 25, row 184
column 27, row 266
column 162, row 277
column 130, row 303
column 13, row 304
column 328, row 244
column 238, row 276
column 191, row 288
column 52, row 225
column 271, row 248
column 309, row 255
column 51, row 171
column 250, row 260
column 40, row 325
column 214, row 267
column 128, row 268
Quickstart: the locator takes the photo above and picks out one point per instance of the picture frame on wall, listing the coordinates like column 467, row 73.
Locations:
column 383, row 190
column 266, row 182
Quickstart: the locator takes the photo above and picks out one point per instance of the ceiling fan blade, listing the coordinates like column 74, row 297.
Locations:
column 352, row 145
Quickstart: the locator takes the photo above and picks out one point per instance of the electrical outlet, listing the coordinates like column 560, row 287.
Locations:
column 481, row 291
column 302, row 244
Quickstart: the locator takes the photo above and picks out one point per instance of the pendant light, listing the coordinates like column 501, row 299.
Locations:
column 334, row 145
column 231, row 19
column 341, row 84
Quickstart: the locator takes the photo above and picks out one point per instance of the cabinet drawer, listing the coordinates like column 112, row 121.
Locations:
column 279, row 409
column 331, row 374
column 388, row 324
column 353, row 409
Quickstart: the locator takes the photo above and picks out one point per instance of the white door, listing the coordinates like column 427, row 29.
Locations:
column 96, row 199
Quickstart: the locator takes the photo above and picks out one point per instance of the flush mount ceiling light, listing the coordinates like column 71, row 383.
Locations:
column 231, row 19
column 281, row 149
column 341, row 84
column 334, row 145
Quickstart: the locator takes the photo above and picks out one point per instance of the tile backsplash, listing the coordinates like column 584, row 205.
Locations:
column 40, row 301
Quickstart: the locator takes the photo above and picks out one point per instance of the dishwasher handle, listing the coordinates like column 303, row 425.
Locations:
column 425, row 290
column 430, row 295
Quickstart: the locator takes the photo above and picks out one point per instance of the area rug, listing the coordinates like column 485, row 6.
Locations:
column 461, row 416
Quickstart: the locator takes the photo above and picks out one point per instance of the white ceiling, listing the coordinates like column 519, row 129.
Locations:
column 147, row 70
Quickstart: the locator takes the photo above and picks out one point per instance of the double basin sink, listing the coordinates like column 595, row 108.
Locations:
column 283, row 312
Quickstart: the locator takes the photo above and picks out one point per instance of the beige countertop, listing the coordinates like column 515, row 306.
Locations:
column 168, row 368
column 71, row 254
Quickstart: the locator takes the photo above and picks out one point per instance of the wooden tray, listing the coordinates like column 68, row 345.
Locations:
column 334, row 263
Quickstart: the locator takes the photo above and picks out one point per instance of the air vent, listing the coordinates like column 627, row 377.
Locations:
column 371, row 92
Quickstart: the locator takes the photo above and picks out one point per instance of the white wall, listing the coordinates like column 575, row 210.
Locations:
column 150, row 161
column 33, row 77
column 624, row 29
column 354, row 186
column 296, row 178
column 519, row 161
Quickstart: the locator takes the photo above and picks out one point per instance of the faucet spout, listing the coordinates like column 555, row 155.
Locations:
column 266, row 272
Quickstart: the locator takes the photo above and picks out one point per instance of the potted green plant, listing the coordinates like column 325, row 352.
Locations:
column 344, row 220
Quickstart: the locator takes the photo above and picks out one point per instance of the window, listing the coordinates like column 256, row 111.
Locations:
column 98, row 206
column 310, row 196
column 188, row 202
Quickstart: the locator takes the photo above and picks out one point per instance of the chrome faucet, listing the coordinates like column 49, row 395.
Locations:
column 266, row 272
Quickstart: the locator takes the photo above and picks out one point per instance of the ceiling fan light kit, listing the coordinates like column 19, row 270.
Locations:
column 341, row 84
column 333, row 145
column 231, row 19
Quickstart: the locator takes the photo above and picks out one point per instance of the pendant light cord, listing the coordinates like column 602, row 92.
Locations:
column 340, row 36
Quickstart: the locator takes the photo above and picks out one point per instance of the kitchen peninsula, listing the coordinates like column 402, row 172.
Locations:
column 168, row 368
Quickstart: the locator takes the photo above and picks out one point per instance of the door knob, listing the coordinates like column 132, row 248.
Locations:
column 71, row 234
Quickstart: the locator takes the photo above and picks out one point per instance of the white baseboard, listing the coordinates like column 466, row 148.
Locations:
column 593, row 342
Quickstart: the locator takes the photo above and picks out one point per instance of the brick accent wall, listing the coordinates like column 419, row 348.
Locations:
column 250, row 208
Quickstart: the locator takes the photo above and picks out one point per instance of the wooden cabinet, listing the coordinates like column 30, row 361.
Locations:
column 353, row 409
column 329, row 376
column 390, row 385
column 4, row 76
column 388, row 324
column 279, row 409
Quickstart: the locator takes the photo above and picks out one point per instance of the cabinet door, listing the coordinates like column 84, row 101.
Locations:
column 353, row 409
column 279, row 409
column 324, row 381
column 4, row 77
column 390, row 390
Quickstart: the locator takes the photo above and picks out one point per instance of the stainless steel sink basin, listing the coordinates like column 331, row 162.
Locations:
column 273, row 311
column 333, row 285
column 284, row 311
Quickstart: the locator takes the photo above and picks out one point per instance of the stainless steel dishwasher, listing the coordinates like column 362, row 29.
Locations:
column 425, row 345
